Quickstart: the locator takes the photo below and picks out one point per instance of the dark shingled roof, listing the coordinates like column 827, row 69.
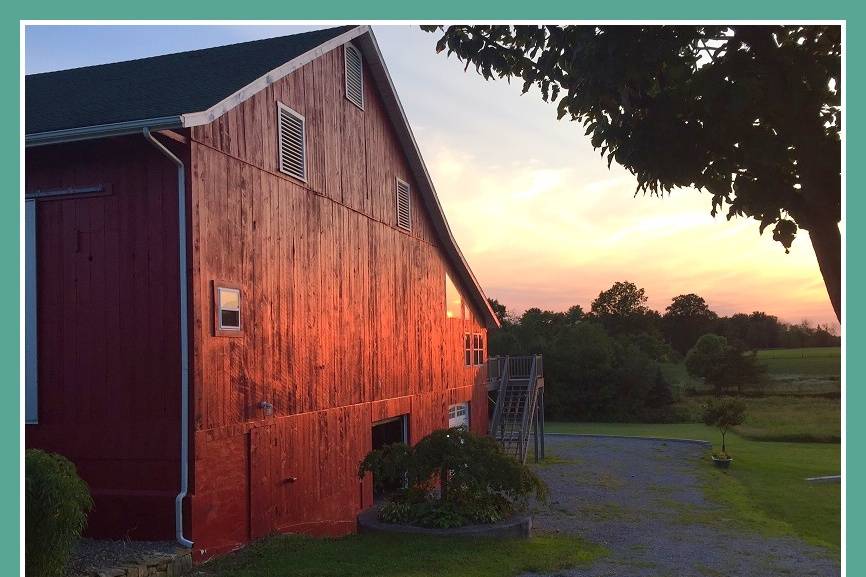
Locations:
column 159, row 86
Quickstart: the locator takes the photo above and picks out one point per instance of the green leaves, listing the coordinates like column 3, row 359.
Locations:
column 724, row 413
column 478, row 482
column 57, row 502
column 677, row 106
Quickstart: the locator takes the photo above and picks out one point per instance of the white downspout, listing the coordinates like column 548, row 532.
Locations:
column 184, row 340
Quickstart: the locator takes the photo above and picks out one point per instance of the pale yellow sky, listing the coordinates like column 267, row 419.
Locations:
column 553, row 236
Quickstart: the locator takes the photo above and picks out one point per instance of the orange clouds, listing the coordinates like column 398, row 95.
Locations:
column 553, row 236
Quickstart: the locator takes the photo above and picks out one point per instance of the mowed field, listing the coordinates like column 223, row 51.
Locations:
column 779, row 418
column 806, row 372
column 825, row 361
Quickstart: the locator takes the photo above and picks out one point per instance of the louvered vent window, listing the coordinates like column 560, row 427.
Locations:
column 293, row 143
column 354, row 76
column 404, row 213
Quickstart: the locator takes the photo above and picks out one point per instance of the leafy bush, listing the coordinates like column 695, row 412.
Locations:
column 477, row 482
column 56, row 505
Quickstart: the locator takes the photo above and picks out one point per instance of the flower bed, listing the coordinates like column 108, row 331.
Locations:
column 452, row 478
column 515, row 527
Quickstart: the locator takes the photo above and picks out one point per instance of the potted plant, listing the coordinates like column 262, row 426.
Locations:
column 723, row 415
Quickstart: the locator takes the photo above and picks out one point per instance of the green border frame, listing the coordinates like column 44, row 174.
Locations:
column 442, row 9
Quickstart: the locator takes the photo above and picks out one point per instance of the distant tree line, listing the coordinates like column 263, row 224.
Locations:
column 604, row 364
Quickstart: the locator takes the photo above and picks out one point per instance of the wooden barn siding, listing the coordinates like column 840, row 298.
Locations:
column 108, row 329
column 343, row 313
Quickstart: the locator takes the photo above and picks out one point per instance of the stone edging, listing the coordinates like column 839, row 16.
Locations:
column 154, row 565
column 635, row 437
column 825, row 479
column 516, row 527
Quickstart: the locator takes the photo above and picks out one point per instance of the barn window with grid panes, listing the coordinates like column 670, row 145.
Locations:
column 458, row 415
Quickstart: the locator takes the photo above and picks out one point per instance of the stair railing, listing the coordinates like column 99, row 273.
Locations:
column 500, row 394
column 529, row 408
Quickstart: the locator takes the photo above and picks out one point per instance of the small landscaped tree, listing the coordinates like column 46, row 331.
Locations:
column 724, row 415
column 477, row 482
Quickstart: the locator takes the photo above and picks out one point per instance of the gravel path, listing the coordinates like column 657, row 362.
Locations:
column 96, row 554
column 642, row 499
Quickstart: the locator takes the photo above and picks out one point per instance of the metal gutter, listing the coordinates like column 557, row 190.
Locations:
column 101, row 131
column 184, row 339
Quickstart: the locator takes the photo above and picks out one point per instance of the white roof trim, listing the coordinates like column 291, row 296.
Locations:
column 229, row 102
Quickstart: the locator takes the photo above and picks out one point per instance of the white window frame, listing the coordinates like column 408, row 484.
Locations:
column 459, row 411
column 280, row 109
column 31, row 341
column 478, row 349
column 221, row 328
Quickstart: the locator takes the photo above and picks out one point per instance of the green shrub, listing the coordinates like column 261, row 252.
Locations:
column 56, row 505
column 477, row 482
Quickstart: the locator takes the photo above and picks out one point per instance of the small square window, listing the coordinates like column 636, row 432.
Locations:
column 227, row 310
column 458, row 415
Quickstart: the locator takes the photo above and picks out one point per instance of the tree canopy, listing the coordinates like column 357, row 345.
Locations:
column 622, row 308
column 749, row 113
column 605, row 364
column 685, row 319
column 721, row 364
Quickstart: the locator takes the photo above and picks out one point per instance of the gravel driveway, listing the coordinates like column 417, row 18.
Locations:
column 640, row 498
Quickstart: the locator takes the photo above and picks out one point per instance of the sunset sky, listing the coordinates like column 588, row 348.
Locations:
column 537, row 213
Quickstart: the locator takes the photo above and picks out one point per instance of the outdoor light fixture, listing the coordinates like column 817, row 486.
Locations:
column 267, row 407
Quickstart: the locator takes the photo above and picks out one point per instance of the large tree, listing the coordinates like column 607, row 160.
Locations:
column 622, row 309
column 685, row 320
column 751, row 114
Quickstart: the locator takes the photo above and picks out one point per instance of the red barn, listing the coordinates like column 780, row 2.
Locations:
column 239, row 279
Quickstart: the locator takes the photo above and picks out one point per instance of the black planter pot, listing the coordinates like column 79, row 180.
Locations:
column 722, row 462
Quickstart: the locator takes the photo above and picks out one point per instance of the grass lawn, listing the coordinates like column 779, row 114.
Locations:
column 402, row 555
column 764, row 487
column 808, row 361
column 807, row 371
column 782, row 418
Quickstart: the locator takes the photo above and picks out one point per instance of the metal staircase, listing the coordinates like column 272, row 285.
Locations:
column 519, row 409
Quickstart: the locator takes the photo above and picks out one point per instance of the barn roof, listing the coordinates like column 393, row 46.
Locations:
column 157, row 87
column 193, row 88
